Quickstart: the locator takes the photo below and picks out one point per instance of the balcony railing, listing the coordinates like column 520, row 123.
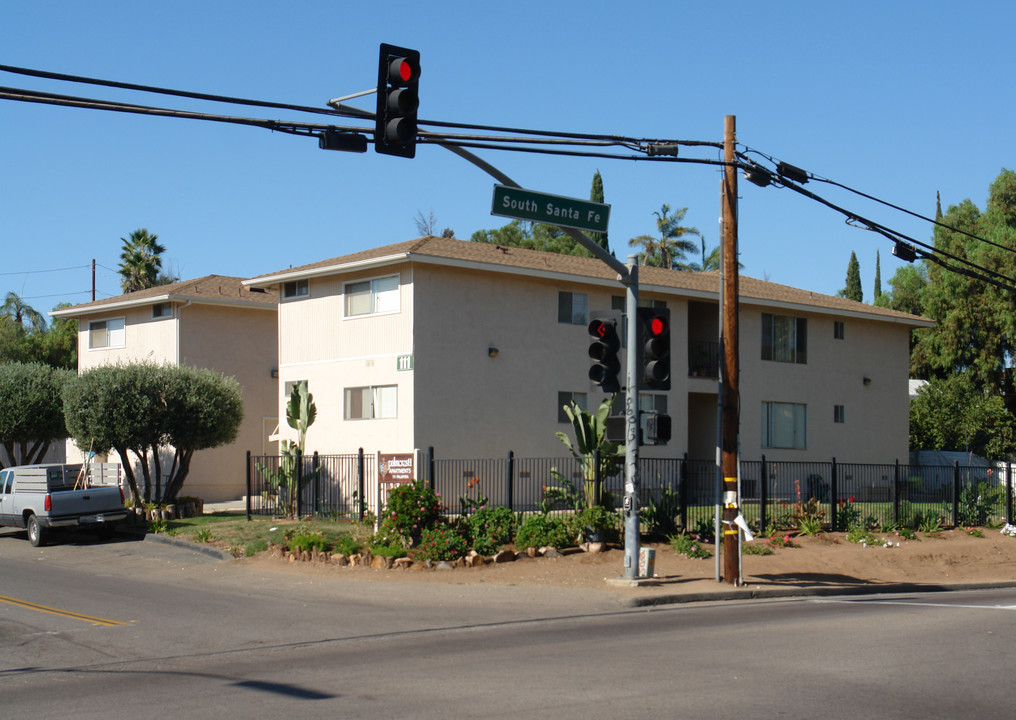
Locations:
column 703, row 359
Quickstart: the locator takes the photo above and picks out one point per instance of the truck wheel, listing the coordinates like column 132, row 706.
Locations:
column 36, row 533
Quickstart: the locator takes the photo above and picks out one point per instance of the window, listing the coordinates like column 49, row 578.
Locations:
column 372, row 402
column 784, row 425
column 162, row 310
column 296, row 288
column 287, row 388
column 6, row 480
column 106, row 333
column 371, row 297
column 838, row 414
column 784, row 338
column 838, row 329
column 567, row 398
column 572, row 308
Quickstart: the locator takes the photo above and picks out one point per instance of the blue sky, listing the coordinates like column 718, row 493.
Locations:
column 898, row 99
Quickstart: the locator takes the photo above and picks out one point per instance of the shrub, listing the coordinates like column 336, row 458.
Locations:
column 411, row 509
column 660, row 517
column 542, row 530
column 490, row 529
column 392, row 551
column 346, row 544
column 809, row 525
column 440, row 543
column 847, row 514
column 688, row 545
column 307, row 542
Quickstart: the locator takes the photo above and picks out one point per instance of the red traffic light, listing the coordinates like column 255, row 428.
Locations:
column 402, row 71
column 658, row 325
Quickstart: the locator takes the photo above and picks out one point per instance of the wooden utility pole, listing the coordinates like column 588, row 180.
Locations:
column 730, row 375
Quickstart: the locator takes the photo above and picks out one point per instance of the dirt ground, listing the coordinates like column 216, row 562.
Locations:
column 953, row 557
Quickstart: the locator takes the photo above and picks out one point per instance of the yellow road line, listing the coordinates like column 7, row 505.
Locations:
column 61, row 613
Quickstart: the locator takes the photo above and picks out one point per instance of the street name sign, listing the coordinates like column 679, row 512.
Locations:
column 554, row 209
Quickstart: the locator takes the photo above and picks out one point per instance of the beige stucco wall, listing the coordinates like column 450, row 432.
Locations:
column 317, row 343
column 240, row 343
column 876, row 426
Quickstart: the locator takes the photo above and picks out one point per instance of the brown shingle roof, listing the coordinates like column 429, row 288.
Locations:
column 210, row 289
column 650, row 279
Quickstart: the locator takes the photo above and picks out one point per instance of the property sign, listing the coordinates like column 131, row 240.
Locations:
column 554, row 209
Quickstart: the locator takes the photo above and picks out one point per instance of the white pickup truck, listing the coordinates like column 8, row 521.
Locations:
column 39, row 497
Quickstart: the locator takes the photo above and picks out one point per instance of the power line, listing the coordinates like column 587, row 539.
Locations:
column 35, row 272
column 650, row 150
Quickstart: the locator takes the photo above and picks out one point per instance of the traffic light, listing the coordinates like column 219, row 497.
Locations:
column 603, row 350
column 654, row 334
column 398, row 76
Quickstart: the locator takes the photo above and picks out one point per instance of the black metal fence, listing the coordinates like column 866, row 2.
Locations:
column 773, row 494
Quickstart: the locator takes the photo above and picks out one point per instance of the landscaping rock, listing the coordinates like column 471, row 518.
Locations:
column 504, row 556
column 531, row 552
column 379, row 562
column 592, row 547
column 549, row 552
column 340, row 560
column 475, row 559
column 443, row 566
column 402, row 562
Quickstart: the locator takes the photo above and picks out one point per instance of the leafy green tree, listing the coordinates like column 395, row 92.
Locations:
column 975, row 322
column 140, row 261
column 853, row 289
column 953, row 414
column 531, row 236
column 667, row 250
column 24, row 339
column 31, row 411
column 159, row 413
column 906, row 289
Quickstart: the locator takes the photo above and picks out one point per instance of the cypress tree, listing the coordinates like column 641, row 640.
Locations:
column 878, row 278
column 596, row 195
column 853, row 290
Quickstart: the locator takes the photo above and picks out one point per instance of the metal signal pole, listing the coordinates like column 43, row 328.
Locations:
column 730, row 375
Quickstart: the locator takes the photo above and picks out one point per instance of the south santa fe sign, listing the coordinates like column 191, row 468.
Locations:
column 553, row 209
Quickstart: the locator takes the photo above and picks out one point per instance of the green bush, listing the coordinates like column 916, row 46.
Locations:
column 392, row 551
column 688, row 545
column 542, row 530
column 660, row 516
column 440, row 543
column 490, row 529
column 346, row 544
column 411, row 509
column 308, row 542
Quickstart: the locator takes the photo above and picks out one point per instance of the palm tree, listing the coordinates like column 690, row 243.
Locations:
column 671, row 246
column 21, row 312
column 140, row 261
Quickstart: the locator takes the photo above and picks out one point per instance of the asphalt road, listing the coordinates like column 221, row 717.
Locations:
column 167, row 632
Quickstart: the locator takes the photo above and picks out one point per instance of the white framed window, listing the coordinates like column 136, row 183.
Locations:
column 784, row 338
column 372, row 297
column 572, row 308
column 162, row 310
column 567, row 398
column 371, row 402
column 839, row 414
column 785, row 425
column 107, row 333
column 295, row 288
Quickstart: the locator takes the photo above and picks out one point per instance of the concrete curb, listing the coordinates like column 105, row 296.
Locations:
column 207, row 550
column 790, row 592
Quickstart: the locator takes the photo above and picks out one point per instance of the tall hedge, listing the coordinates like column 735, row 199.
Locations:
column 31, row 411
